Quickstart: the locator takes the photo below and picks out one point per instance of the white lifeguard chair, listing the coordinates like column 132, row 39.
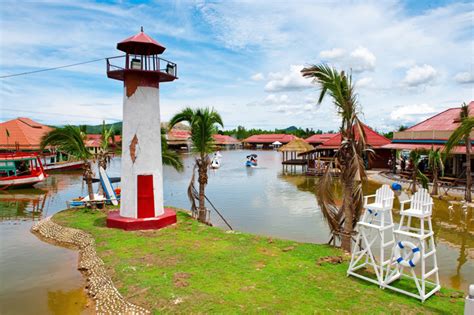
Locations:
column 419, row 241
column 375, row 233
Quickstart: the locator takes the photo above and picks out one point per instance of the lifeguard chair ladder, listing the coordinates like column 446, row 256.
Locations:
column 375, row 233
column 423, row 249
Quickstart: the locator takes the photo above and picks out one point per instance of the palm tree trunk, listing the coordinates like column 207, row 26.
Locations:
column 348, row 214
column 435, row 182
column 202, row 179
column 415, row 170
column 88, row 178
column 468, row 196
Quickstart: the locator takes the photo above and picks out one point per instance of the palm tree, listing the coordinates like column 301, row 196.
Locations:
column 203, row 123
column 168, row 156
column 435, row 162
column 463, row 133
column 70, row 139
column 415, row 159
column 342, row 220
column 106, row 137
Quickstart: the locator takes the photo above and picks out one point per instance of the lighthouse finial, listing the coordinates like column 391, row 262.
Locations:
column 142, row 29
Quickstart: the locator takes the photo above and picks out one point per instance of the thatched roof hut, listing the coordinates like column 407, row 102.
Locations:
column 296, row 145
column 291, row 149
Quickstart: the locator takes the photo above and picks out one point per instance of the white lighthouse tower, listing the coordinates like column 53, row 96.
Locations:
column 142, row 71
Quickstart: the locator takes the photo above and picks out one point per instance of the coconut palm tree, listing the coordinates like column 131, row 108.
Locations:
column 349, row 156
column 106, row 137
column 435, row 162
column 168, row 156
column 203, row 122
column 70, row 139
column 415, row 159
column 463, row 134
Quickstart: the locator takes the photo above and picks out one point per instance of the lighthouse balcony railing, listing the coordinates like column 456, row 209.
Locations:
column 143, row 63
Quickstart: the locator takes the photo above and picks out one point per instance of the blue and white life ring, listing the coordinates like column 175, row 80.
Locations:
column 373, row 212
column 415, row 250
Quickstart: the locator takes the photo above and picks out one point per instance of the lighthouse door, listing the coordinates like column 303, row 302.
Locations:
column 145, row 198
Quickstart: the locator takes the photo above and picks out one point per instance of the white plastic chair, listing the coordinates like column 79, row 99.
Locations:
column 421, row 205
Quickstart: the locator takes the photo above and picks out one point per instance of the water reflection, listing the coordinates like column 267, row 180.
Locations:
column 22, row 204
column 31, row 269
column 68, row 302
column 453, row 227
column 259, row 200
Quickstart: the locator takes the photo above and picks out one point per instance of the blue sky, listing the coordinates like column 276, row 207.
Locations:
column 409, row 59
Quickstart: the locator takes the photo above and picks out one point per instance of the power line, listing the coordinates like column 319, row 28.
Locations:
column 49, row 69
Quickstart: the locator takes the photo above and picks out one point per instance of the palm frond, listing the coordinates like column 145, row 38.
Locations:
column 169, row 157
column 68, row 139
column 338, row 85
column 460, row 134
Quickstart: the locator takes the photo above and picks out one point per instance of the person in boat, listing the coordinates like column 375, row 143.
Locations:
column 252, row 159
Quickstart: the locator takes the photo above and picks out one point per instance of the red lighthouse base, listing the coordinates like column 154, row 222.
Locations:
column 114, row 220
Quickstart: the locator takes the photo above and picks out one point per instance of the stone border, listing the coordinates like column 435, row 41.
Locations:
column 99, row 285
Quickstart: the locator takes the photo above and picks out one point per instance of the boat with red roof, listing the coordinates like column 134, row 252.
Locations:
column 20, row 169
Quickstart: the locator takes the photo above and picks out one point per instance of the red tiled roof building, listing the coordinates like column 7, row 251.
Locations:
column 22, row 134
column 318, row 139
column 267, row 139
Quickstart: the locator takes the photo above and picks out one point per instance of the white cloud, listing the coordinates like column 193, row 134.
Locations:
column 362, row 59
column 412, row 113
column 464, row 77
column 364, row 82
column 272, row 100
column 290, row 81
column 332, row 54
column 257, row 77
column 419, row 75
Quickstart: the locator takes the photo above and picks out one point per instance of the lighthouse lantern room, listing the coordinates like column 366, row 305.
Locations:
column 142, row 70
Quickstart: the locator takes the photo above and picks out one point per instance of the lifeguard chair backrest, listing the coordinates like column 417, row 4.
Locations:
column 422, row 201
column 382, row 194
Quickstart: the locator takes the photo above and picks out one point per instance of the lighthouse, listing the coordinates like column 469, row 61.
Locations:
column 142, row 70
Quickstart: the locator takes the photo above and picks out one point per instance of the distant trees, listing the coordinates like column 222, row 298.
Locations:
column 241, row 132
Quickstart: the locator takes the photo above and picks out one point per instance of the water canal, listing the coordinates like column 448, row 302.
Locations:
column 260, row 200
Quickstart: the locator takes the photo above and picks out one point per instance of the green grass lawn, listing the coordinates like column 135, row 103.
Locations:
column 190, row 267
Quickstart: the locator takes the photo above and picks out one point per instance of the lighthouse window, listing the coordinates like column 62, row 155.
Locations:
column 136, row 64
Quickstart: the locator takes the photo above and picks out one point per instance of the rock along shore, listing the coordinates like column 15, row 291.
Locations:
column 99, row 285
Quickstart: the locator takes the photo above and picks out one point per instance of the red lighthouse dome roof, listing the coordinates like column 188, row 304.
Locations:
column 141, row 44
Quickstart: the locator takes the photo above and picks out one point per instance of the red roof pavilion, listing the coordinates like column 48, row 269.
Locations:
column 373, row 139
column 225, row 140
column 269, row 138
column 319, row 138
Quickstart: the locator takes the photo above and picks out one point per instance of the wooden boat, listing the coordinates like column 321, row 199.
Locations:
column 53, row 162
column 20, row 169
column 64, row 166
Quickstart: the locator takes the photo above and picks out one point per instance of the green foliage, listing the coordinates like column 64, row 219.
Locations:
column 415, row 158
column 435, row 161
column 169, row 157
column 461, row 134
column 203, row 123
column 241, row 132
column 68, row 139
column 342, row 219
column 191, row 268
column 106, row 136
